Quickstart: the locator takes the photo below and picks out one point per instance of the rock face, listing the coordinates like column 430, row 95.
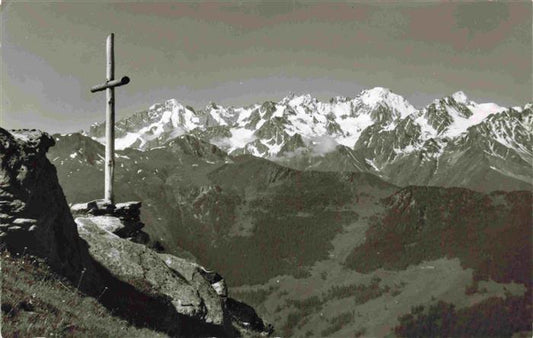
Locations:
column 159, row 291
column 34, row 215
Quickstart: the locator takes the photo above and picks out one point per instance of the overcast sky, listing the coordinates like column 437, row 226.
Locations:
column 238, row 53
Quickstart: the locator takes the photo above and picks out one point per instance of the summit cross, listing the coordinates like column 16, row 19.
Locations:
column 109, row 87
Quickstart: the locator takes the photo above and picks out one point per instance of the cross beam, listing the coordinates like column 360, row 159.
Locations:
column 110, row 84
column 109, row 87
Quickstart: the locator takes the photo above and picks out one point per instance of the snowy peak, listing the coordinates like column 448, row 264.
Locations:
column 174, row 114
column 454, row 114
column 294, row 100
column 511, row 129
column 377, row 131
column 339, row 99
column 216, row 115
column 373, row 96
column 380, row 97
column 150, row 128
column 460, row 97
column 481, row 111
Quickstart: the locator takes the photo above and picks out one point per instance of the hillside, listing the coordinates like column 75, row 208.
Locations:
column 488, row 233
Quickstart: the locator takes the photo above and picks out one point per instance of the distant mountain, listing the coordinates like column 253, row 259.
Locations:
column 429, row 149
column 451, row 142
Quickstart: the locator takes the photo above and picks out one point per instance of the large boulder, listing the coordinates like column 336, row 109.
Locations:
column 153, row 274
column 199, row 295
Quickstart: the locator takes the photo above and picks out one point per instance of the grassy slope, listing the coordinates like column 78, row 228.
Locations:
column 337, row 302
column 38, row 302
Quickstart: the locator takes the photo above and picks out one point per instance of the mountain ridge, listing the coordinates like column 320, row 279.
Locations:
column 377, row 131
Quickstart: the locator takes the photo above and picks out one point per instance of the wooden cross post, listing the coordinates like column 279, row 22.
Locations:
column 109, row 87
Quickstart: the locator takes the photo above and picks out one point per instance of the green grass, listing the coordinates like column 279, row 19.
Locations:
column 38, row 302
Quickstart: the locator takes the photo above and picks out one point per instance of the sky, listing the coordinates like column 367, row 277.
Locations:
column 243, row 52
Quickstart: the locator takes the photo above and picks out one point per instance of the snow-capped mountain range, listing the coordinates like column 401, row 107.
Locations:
column 262, row 130
column 377, row 131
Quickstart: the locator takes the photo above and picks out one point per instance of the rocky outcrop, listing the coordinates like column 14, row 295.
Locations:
column 194, row 292
column 34, row 216
column 143, row 268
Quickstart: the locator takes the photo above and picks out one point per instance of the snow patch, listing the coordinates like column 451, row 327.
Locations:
column 425, row 128
column 479, row 113
column 126, row 141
